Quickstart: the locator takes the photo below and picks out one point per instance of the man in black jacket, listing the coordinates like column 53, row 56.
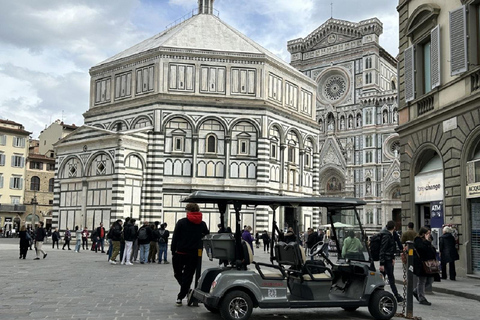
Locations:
column 115, row 234
column 186, row 241
column 387, row 256
column 39, row 237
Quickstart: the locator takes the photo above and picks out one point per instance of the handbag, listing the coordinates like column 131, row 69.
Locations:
column 431, row 266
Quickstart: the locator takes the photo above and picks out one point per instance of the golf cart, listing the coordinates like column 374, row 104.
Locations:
column 292, row 279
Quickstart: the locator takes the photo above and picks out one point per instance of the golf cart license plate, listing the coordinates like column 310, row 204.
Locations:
column 272, row 293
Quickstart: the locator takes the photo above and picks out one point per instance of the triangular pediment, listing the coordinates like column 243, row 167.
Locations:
column 331, row 154
column 392, row 175
column 332, row 39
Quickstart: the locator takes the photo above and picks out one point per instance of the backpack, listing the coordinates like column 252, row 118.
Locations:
column 375, row 244
column 142, row 234
column 161, row 239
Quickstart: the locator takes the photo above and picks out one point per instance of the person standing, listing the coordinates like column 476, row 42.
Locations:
column 152, row 253
column 85, row 235
column 66, row 239
column 448, row 253
column 115, row 234
column 247, row 236
column 410, row 234
column 101, row 237
column 144, row 236
column 78, row 239
column 24, row 242
column 39, row 237
column 55, row 238
column 186, row 241
column 163, row 244
column 352, row 247
column 129, row 236
column 424, row 251
column 387, row 256
column 134, row 255
column 311, row 240
column 290, row 235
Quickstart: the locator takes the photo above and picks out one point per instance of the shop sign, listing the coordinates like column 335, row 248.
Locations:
column 429, row 187
column 436, row 214
column 473, row 190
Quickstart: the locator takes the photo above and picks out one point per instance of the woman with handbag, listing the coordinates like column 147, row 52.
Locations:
column 24, row 242
column 425, row 264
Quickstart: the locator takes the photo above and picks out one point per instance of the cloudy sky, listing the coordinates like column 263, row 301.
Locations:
column 48, row 46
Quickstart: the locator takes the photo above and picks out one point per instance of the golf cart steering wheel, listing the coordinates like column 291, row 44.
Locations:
column 317, row 248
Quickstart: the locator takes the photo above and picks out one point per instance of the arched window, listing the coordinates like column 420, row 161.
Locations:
column 35, row 184
column 394, row 86
column 211, row 144
column 51, row 184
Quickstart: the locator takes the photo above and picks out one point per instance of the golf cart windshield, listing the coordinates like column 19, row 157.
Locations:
column 345, row 235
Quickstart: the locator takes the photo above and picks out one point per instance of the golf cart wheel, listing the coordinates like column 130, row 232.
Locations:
column 349, row 309
column 382, row 305
column 211, row 309
column 236, row 305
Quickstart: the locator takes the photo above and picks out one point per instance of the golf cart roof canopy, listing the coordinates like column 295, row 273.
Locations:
column 271, row 200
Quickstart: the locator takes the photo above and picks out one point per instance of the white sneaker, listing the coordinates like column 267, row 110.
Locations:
column 112, row 262
column 123, row 263
column 129, row 264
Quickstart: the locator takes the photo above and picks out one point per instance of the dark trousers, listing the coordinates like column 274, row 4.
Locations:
column 67, row 243
column 266, row 245
column 85, row 243
column 53, row 243
column 451, row 267
column 388, row 267
column 184, row 266
column 23, row 251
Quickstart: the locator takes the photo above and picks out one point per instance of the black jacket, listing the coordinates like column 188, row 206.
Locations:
column 187, row 236
column 149, row 235
column 165, row 235
column 311, row 239
column 129, row 233
column 387, row 247
column 115, row 233
column 40, row 234
column 424, row 251
column 447, row 248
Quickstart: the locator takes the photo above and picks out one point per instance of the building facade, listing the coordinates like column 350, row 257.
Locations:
column 13, row 154
column 197, row 107
column 356, row 114
column 439, row 120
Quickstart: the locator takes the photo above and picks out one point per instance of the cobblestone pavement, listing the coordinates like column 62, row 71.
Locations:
column 68, row 285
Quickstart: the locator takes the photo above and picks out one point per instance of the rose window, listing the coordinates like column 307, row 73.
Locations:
column 335, row 87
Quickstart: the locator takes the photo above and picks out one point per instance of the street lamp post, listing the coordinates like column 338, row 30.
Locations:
column 34, row 202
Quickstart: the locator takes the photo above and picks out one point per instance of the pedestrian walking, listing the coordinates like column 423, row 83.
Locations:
column 424, row 251
column 40, row 235
column 311, row 240
column 78, row 239
column 115, row 234
column 66, row 238
column 266, row 241
column 387, row 256
column 24, row 242
column 85, row 235
column 129, row 237
column 55, row 238
column 144, row 236
column 448, row 253
column 410, row 234
column 101, row 235
column 186, row 241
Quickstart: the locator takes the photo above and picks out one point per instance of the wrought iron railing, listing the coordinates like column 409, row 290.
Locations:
column 12, row 208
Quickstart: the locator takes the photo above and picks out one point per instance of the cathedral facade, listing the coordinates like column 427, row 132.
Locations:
column 356, row 107
column 197, row 107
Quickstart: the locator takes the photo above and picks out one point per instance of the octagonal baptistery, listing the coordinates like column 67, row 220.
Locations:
column 199, row 106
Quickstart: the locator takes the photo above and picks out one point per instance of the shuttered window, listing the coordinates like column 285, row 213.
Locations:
column 435, row 57
column 145, row 78
column 212, row 79
column 181, row 77
column 123, row 85
column 458, row 41
column 2, row 159
column 243, row 81
column 102, row 91
column 409, row 74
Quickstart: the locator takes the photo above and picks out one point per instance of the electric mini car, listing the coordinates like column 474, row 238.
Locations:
column 295, row 277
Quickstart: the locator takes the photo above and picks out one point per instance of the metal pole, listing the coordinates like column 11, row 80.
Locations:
column 410, row 248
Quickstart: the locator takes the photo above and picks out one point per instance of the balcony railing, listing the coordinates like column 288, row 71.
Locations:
column 475, row 80
column 12, row 208
column 425, row 105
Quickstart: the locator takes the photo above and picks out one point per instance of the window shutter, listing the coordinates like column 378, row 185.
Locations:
column 435, row 57
column 2, row 159
column 22, row 162
column 458, row 41
column 20, row 183
column 12, row 182
column 1, row 181
column 409, row 74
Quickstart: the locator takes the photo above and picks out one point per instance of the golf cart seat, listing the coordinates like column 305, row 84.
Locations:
column 293, row 255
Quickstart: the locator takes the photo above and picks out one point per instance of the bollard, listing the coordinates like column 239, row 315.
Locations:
column 409, row 312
